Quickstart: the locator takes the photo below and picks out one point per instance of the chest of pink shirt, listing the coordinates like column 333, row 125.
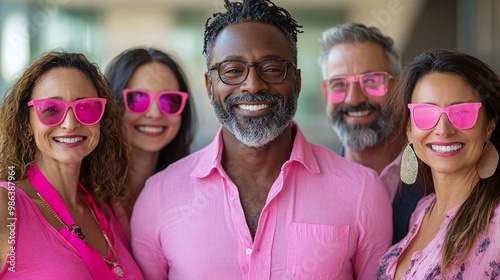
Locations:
column 315, row 224
column 42, row 253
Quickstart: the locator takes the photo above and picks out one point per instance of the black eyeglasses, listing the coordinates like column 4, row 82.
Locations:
column 234, row 72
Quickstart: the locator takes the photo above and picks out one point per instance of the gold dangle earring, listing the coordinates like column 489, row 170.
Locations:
column 488, row 162
column 409, row 165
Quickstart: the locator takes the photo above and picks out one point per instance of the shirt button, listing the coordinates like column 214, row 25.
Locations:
column 232, row 197
column 248, row 251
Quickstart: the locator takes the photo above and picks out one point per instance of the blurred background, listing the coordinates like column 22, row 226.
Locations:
column 101, row 29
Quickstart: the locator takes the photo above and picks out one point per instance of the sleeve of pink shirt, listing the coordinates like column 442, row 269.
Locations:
column 145, row 231
column 374, row 226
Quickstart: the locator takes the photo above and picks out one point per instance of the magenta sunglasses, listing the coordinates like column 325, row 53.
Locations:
column 462, row 116
column 51, row 112
column 171, row 102
column 372, row 83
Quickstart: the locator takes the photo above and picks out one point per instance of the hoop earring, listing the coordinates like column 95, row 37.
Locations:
column 409, row 165
column 488, row 162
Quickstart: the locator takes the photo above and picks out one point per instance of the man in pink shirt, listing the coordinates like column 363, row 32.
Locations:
column 259, row 202
column 360, row 66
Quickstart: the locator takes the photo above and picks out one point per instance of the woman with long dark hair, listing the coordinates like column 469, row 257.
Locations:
column 448, row 107
column 157, row 113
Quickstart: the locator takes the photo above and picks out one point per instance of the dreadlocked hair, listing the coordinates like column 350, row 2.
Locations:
column 263, row 11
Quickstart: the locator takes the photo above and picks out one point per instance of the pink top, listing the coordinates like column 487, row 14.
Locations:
column 325, row 218
column 40, row 252
column 390, row 176
column 482, row 262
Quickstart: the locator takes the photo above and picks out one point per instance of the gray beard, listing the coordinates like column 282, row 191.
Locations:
column 361, row 136
column 256, row 131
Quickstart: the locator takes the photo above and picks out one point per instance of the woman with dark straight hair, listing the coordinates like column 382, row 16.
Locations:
column 448, row 106
column 157, row 113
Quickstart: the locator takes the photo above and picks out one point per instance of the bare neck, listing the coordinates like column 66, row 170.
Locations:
column 64, row 179
column 247, row 164
column 377, row 157
column 254, row 170
column 453, row 189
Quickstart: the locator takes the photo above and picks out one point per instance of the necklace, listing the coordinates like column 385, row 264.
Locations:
column 116, row 267
column 75, row 230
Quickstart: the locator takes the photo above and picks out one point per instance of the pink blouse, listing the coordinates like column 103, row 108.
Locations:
column 38, row 251
column 482, row 262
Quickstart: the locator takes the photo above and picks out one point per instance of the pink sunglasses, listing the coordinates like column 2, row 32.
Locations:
column 171, row 102
column 462, row 116
column 51, row 112
column 372, row 83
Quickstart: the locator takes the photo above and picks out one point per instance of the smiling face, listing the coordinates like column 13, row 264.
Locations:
column 255, row 112
column 446, row 149
column 152, row 130
column 359, row 120
column 70, row 141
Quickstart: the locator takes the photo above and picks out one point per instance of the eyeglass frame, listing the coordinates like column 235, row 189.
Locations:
column 354, row 79
column 217, row 65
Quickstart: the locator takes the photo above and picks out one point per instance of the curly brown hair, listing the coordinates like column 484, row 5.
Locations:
column 103, row 171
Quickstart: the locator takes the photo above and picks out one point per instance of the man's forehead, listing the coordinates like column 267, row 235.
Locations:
column 251, row 39
column 356, row 58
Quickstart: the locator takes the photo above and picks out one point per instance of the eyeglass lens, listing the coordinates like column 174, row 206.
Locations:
column 462, row 116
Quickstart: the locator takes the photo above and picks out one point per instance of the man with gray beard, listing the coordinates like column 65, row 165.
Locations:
column 260, row 201
column 359, row 66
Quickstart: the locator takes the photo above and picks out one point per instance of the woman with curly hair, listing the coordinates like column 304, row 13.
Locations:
column 63, row 157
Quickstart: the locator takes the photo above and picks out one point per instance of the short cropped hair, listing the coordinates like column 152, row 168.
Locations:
column 263, row 11
column 352, row 33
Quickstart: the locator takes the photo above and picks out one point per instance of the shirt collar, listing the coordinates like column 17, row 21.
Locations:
column 210, row 157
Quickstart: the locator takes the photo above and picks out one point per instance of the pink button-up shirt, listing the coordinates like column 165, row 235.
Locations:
column 390, row 176
column 325, row 218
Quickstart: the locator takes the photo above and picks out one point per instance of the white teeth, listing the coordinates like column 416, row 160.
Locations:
column 358, row 113
column 150, row 129
column 69, row 140
column 253, row 107
column 446, row 149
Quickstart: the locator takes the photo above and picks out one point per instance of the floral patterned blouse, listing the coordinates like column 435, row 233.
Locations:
column 483, row 261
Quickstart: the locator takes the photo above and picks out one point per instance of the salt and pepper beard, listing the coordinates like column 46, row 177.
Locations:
column 358, row 137
column 256, row 131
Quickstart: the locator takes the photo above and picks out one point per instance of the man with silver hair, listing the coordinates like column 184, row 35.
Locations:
column 359, row 66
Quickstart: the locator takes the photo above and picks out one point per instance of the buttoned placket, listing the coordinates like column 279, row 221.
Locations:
column 255, row 256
